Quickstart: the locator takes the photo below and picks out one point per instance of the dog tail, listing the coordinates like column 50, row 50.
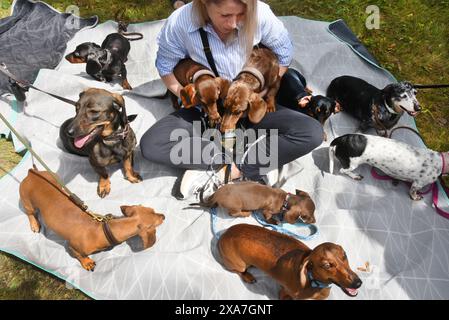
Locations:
column 209, row 202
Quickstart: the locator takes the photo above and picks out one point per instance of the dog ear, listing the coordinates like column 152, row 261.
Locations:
column 302, row 193
column 119, row 101
column 257, row 108
column 224, row 85
column 292, row 216
column 119, row 105
column 82, row 93
column 188, row 96
column 337, row 107
column 127, row 211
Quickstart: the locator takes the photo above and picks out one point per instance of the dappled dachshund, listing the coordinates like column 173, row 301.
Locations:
column 201, row 87
column 240, row 199
column 105, row 62
column 301, row 272
column 101, row 131
column 373, row 107
column 294, row 94
column 401, row 161
column 254, row 89
column 39, row 191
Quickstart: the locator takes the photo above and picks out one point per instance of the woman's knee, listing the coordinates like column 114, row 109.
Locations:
column 150, row 146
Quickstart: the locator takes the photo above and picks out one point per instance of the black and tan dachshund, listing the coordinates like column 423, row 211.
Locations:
column 101, row 131
column 105, row 62
column 294, row 94
column 374, row 107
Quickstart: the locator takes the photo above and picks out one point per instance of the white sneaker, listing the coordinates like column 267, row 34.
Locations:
column 196, row 181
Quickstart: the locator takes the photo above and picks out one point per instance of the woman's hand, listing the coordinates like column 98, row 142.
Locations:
column 172, row 84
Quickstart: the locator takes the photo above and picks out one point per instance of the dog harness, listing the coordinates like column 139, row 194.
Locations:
column 315, row 283
column 200, row 73
column 256, row 73
column 445, row 158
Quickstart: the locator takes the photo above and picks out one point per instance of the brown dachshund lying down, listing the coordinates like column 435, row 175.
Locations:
column 39, row 191
column 240, row 199
column 302, row 273
column 201, row 87
column 258, row 79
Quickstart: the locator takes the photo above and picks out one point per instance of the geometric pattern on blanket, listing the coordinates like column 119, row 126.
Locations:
column 405, row 242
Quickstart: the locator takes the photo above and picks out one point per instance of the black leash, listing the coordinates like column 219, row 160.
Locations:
column 208, row 51
column 24, row 85
column 123, row 28
column 430, row 86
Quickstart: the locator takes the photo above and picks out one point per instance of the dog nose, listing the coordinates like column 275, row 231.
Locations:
column 417, row 107
column 71, row 131
column 357, row 283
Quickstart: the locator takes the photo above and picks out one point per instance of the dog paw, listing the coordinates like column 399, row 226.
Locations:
column 273, row 221
column 416, row 197
column 88, row 264
column 103, row 191
column 248, row 277
column 136, row 178
column 270, row 108
column 35, row 227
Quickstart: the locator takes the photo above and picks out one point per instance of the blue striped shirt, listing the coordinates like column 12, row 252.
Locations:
column 180, row 38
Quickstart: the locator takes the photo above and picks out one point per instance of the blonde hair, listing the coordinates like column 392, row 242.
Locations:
column 248, row 28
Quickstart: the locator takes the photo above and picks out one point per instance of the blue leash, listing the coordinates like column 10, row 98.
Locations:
column 288, row 228
column 285, row 228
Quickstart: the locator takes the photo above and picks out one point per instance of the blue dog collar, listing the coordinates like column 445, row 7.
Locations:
column 315, row 283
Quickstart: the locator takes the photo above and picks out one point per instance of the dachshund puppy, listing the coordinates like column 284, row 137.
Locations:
column 294, row 94
column 302, row 273
column 240, row 199
column 201, row 87
column 254, row 89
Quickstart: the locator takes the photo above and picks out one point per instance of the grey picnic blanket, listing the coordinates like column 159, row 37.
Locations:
column 405, row 242
column 35, row 37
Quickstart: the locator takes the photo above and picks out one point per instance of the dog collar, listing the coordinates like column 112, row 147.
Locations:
column 315, row 283
column 259, row 76
column 284, row 207
column 200, row 73
column 445, row 158
column 117, row 136
column 108, row 233
column 390, row 110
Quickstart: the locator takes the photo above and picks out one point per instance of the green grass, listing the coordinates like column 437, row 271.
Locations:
column 412, row 43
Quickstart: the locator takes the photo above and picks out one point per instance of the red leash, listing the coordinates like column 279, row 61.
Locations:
column 433, row 188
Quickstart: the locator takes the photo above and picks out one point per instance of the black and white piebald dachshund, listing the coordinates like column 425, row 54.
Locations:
column 399, row 160
column 374, row 107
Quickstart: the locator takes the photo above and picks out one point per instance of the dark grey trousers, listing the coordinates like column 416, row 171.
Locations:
column 297, row 134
